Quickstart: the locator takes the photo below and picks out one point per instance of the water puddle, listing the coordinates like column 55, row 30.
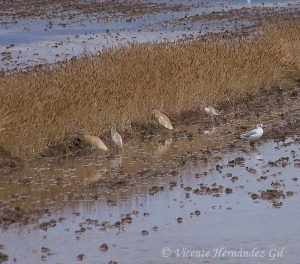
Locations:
column 241, row 206
column 43, row 184
column 29, row 41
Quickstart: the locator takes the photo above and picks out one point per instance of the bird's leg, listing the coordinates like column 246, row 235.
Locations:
column 120, row 151
column 114, row 150
column 215, row 120
column 86, row 152
column 97, row 151
column 252, row 144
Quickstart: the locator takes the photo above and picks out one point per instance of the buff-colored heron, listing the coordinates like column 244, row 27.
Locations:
column 209, row 109
column 213, row 112
column 162, row 119
column 94, row 141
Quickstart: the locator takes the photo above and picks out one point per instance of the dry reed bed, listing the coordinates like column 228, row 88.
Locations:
column 122, row 85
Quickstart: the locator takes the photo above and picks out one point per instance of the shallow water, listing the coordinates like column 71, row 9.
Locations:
column 35, row 43
column 228, row 222
column 44, row 182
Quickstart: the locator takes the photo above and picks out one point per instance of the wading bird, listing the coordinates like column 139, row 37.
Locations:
column 162, row 119
column 209, row 109
column 96, row 142
column 115, row 136
column 254, row 134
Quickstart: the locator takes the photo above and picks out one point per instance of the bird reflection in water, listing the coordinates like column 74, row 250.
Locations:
column 209, row 132
column 116, row 162
column 163, row 147
column 96, row 176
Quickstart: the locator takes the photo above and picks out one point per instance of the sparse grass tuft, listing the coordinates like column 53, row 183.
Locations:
column 122, row 85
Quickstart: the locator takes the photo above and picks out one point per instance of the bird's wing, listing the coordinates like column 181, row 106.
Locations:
column 250, row 133
column 215, row 111
column 117, row 138
column 164, row 120
column 98, row 143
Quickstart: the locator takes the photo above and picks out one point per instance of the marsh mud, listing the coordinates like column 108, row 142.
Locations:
column 192, row 195
column 37, row 33
column 198, row 189
column 7, row 162
column 238, row 199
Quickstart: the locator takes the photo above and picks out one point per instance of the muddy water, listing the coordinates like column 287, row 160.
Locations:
column 262, row 229
column 43, row 184
column 30, row 41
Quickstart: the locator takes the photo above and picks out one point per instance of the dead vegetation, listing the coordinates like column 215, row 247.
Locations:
column 46, row 108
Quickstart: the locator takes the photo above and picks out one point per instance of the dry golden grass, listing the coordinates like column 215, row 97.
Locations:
column 123, row 85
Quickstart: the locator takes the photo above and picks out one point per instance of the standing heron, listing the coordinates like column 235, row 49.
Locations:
column 162, row 119
column 209, row 109
column 115, row 136
column 254, row 134
column 95, row 142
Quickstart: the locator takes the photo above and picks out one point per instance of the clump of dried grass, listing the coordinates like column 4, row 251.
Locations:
column 122, row 85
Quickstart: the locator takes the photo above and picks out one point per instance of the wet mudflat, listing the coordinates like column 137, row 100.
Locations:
column 41, row 33
column 244, row 201
column 199, row 188
column 196, row 195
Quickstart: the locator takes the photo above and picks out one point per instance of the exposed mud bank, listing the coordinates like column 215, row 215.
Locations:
column 8, row 163
column 232, row 188
column 77, row 24
column 278, row 106
column 278, row 109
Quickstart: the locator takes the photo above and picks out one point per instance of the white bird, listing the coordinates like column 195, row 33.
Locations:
column 254, row 134
column 115, row 136
column 162, row 119
column 209, row 109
